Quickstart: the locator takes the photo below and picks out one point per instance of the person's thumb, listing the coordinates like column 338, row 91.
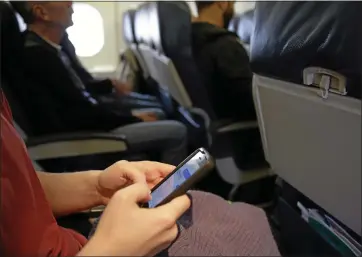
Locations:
column 134, row 194
column 175, row 208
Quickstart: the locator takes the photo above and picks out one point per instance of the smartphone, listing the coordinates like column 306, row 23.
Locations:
column 179, row 181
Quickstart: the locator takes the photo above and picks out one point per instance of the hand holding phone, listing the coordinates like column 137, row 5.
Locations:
column 144, row 232
column 179, row 181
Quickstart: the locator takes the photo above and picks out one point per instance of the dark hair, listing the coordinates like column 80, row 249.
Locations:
column 24, row 9
column 203, row 4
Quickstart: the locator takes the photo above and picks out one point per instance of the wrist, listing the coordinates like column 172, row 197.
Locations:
column 94, row 186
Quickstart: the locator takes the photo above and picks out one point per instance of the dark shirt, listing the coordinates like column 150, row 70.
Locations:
column 225, row 67
column 71, row 95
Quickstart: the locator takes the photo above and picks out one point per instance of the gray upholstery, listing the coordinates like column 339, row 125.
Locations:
column 128, row 26
column 160, row 66
column 312, row 137
column 291, row 36
column 314, row 144
column 129, row 37
column 172, row 55
column 243, row 25
column 143, row 36
column 71, row 145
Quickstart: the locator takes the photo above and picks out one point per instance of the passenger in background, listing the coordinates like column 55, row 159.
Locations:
column 50, row 61
column 223, row 61
column 126, row 98
column 55, row 86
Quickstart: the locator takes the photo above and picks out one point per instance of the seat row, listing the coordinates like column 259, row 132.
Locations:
column 307, row 61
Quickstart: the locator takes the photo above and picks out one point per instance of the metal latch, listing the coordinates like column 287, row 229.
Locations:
column 326, row 80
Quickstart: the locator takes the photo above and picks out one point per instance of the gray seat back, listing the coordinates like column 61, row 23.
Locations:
column 291, row 36
column 143, row 36
column 132, row 54
column 314, row 144
column 243, row 25
column 174, row 59
column 166, row 75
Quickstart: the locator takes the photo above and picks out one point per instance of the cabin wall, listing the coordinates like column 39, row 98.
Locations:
column 87, row 34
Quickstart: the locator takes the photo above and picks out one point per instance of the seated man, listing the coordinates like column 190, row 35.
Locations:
column 125, row 97
column 77, row 111
column 30, row 201
column 58, row 75
column 223, row 61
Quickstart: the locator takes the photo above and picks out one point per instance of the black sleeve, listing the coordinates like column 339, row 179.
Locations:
column 100, row 87
column 46, row 68
column 233, row 65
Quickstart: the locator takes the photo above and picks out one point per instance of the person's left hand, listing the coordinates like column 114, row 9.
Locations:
column 124, row 173
column 121, row 88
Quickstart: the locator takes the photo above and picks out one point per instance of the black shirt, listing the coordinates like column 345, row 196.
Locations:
column 224, row 64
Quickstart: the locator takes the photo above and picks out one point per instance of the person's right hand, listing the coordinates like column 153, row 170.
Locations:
column 125, row 229
column 146, row 116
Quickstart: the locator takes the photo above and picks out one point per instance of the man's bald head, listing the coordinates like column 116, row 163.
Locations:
column 49, row 13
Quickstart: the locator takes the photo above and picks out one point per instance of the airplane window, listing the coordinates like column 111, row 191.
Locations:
column 87, row 32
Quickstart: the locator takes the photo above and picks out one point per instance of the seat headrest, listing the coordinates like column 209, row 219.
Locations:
column 183, row 5
column 141, row 23
column 140, row 19
column 11, row 37
column 245, row 26
column 234, row 23
column 129, row 27
column 291, row 36
column 174, row 25
column 175, row 36
column 9, row 22
column 154, row 27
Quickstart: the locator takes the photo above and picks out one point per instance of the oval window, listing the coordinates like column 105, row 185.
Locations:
column 87, row 32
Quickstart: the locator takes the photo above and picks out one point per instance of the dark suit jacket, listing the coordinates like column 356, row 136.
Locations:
column 77, row 108
column 97, row 87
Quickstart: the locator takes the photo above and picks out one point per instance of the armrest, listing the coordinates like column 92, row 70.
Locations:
column 223, row 126
column 75, row 144
column 237, row 126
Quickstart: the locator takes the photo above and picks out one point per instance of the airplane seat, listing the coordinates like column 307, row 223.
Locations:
column 184, row 82
column 130, row 38
column 243, row 25
column 11, row 40
column 154, row 39
column 171, row 25
column 307, row 59
column 179, row 72
column 324, row 47
column 143, row 37
column 234, row 23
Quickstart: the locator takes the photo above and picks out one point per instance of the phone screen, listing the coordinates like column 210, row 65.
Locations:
column 177, row 178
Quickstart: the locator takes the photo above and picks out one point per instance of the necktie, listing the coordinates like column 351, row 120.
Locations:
column 75, row 78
